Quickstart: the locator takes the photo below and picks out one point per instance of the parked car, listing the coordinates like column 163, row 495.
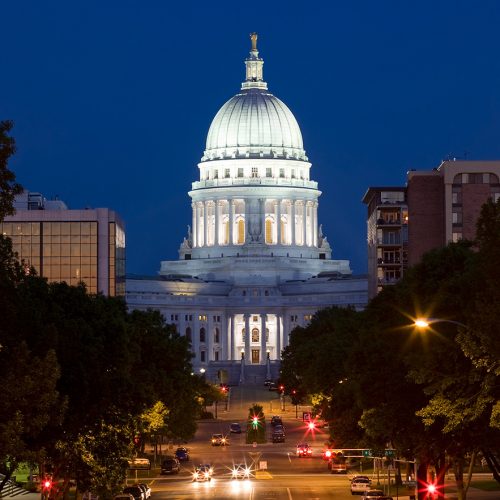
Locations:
column 268, row 381
column 240, row 471
column 360, row 485
column 182, row 454
column 235, row 428
column 146, row 489
column 218, row 440
column 170, row 465
column 278, row 436
column 135, row 491
column 124, row 496
column 203, row 472
column 276, row 420
column 378, row 494
column 273, row 386
column 304, row 450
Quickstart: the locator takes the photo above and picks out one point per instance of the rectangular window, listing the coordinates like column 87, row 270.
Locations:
column 307, row 317
column 293, row 173
column 216, row 174
column 282, row 173
column 227, row 173
column 240, row 172
column 202, row 317
column 456, row 237
column 202, row 356
column 269, row 172
column 255, row 319
column 255, row 172
column 216, row 356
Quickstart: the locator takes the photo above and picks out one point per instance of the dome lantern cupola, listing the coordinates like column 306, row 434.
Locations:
column 254, row 65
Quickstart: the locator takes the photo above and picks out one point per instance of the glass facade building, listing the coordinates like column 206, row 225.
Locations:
column 70, row 245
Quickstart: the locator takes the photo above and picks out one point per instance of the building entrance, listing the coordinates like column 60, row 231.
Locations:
column 255, row 356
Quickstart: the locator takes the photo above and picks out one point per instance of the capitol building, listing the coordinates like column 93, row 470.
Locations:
column 255, row 262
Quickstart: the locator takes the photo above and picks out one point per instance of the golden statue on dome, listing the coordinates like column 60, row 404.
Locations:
column 253, row 37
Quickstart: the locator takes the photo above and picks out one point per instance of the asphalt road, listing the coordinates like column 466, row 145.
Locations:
column 285, row 476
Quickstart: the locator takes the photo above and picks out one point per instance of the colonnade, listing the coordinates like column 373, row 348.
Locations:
column 270, row 221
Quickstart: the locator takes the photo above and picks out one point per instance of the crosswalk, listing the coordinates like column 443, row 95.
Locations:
column 11, row 489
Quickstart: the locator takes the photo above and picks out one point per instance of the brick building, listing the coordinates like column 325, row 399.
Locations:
column 435, row 208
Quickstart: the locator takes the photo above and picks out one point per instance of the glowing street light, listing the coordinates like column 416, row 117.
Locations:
column 426, row 322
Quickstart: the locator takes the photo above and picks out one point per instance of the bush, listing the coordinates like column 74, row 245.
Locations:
column 206, row 415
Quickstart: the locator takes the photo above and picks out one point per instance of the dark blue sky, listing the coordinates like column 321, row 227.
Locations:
column 112, row 100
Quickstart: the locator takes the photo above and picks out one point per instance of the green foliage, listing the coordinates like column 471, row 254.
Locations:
column 8, row 187
column 256, row 433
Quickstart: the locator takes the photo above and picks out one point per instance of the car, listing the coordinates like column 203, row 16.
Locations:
column 170, row 465
column 273, row 386
column 182, row 454
column 278, row 436
column 304, row 450
column 378, row 494
column 139, row 463
column 241, row 471
column 219, row 440
column 135, row 491
column 203, row 472
column 276, row 420
column 235, row 428
column 358, row 476
column 279, row 428
column 146, row 489
column 124, row 496
column 359, row 485
column 337, row 463
column 268, row 381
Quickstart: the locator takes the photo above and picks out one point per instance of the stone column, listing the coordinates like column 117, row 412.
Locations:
column 205, row 223
column 231, row 223
column 278, row 222
column 315, row 224
column 225, row 336
column 304, row 223
column 247, row 338
column 196, row 338
column 233, row 354
column 262, row 209
column 210, row 337
column 217, row 228
column 278, row 336
column 247, row 220
column 263, row 343
column 292, row 221
column 194, row 229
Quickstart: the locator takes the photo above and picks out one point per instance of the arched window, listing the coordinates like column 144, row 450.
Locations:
column 202, row 334
column 241, row 232
column 189, row 334
column 243, row 335
column 255, row 335
column 216, row 336
column 269, row 231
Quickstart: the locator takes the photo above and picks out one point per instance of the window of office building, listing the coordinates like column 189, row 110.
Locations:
column 202, row 356
column 188, row 334
column 240, row 172
column 255, row 335
column 227, row 172
column 202, row 334
column 255, row 172
column 269, row 172
column 216, row 336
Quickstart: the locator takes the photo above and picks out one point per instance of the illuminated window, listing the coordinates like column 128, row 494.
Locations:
column 202, row 317
column 255, row 318
column 307, row 317
column 269, row 231
column 255, row 335
column 241, row 232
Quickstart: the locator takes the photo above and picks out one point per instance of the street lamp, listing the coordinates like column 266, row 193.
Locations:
column 427, row 322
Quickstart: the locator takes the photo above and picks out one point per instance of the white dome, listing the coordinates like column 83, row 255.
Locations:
column 254, row 123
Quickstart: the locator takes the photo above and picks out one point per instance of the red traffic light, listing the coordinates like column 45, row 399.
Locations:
column 311, row 425
column 47, row 484
column 431, row 488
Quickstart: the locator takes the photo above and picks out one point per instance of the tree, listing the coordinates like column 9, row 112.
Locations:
column 8, row 187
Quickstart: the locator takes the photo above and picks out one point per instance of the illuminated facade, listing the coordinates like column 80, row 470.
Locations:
column 69, row 245
column 255, row 263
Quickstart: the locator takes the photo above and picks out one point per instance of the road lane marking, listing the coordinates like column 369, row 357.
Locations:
column 289, row 494
column 263, row 475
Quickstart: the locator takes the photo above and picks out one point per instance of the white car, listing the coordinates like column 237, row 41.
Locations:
column 359, row 485
column 240, row 471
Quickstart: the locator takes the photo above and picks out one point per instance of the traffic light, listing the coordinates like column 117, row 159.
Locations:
column 312, row 425
column 367, row 453
column 255, row 422
column 46, row 487
column 281, row 388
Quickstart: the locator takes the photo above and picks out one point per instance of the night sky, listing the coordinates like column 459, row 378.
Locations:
column 112, row 100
